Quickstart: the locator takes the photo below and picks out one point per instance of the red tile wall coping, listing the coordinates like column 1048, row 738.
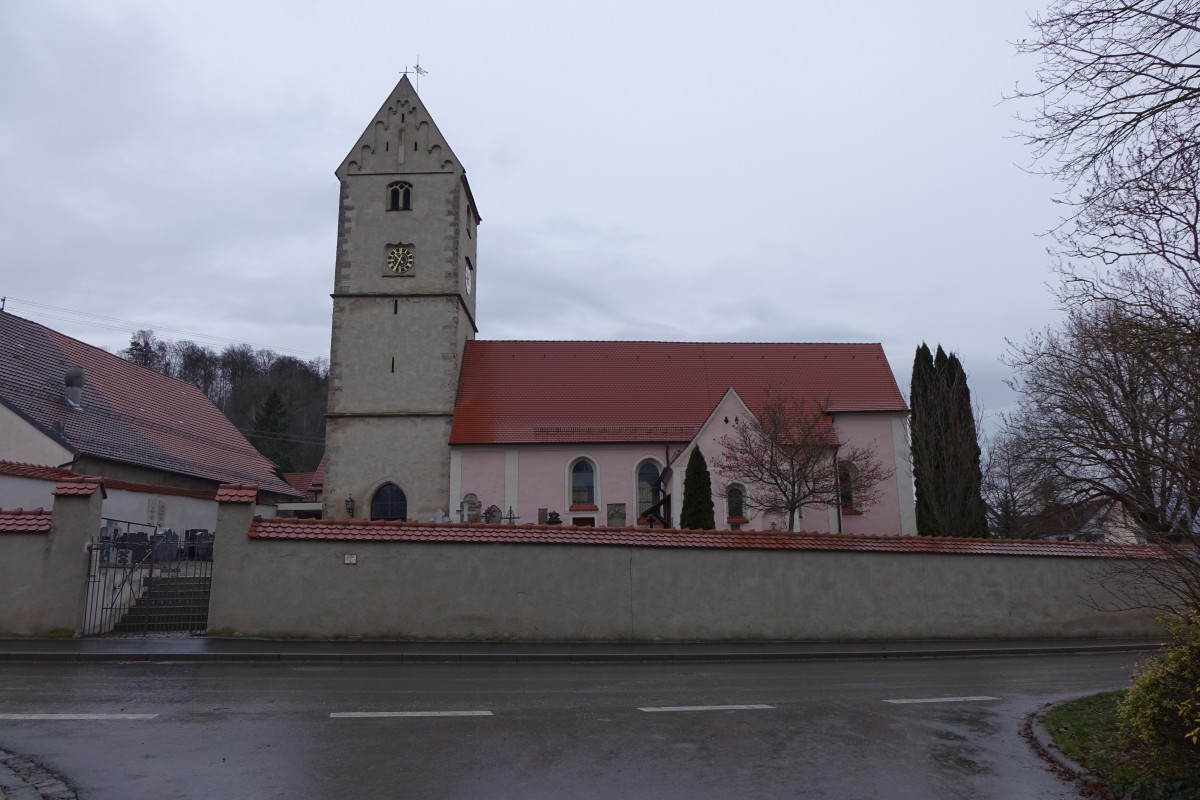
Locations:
column 43, row 473
column 25, row 520
column 383, row 531
column 83, row 486
column 237, row 493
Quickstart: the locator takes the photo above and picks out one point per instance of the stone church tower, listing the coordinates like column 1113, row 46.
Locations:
column 403, row 309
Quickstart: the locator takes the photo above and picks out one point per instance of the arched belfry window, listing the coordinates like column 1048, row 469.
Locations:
column 649, row 488
column 399, row 196
column 583, row 483
column 389, row 502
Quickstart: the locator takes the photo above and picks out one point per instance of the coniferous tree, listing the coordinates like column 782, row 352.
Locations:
column 270, row 430
column 923, row 461
column 697, row 512
column 945, row 448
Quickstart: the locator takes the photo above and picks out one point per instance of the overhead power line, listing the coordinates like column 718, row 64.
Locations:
column 129, row 326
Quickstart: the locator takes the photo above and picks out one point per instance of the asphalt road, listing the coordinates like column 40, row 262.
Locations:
column 702, row 730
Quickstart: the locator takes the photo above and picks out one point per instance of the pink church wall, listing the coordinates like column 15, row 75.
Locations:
column 543, row 478
column 483, row 475
column 865, row 430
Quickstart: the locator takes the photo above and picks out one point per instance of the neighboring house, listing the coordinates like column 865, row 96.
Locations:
column 1098, row 520
column 311, row 485
column 426, row 422
column 66, row 404
column 31, row 486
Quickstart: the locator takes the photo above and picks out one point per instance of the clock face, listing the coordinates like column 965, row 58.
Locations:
column 400, row 260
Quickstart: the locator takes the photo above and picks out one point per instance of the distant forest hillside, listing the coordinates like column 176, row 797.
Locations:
column 277, row 401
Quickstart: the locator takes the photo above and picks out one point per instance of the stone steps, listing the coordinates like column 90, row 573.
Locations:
column 169, row 604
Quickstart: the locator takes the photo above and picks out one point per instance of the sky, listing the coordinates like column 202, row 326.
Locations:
column 676, row 171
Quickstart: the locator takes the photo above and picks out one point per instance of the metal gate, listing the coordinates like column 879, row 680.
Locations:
column 145, row 580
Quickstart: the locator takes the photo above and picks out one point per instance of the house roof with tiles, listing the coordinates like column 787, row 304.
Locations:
column 528, row 392
column 15, row 469
column 126, row 413
column 311, row 484
column 380, row 531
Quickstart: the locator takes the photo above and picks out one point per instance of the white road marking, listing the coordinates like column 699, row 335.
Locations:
column 705, row 708
column 377, row 714
column 76, row 716
column 971, row 699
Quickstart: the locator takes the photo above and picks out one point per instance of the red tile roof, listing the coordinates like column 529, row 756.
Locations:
column 379, row 531
column 526, row 391
column 130, row 414
column 83, row 487
column 309, row 483
column 237, row 493
column 300, row 481
column 19, row 520
column 35, row 471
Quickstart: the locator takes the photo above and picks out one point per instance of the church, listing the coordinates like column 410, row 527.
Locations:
column 427, row 422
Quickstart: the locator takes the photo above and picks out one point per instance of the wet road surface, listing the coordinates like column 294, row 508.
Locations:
column 699, row 730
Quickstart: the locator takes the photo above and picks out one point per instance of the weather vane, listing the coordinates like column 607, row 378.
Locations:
column 417, row 72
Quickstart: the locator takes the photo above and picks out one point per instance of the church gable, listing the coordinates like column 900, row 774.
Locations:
column 402, row 137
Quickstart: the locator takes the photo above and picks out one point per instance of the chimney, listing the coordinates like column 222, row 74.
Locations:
column 74, row 391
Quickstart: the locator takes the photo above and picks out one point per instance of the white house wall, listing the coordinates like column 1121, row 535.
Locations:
column 25, row 492
column 26, row 444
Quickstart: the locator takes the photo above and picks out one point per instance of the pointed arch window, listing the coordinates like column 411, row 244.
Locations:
column 399, row 196
column 389, row 502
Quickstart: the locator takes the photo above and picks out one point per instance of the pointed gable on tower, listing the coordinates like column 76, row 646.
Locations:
column 401, row 137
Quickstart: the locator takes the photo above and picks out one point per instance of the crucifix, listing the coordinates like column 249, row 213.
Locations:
column 416, row 72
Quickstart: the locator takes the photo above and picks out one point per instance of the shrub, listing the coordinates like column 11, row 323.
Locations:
column 1162, row 707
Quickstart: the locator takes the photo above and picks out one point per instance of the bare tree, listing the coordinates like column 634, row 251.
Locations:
column 1110, row 403
column 790, row 457
column 1110, row 409
column 1114, row 75
column 1017, row 488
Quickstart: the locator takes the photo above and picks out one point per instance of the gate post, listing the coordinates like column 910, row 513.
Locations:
column 78, row 507
column 235, row 513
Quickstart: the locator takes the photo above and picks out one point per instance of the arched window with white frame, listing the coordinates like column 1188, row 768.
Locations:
column 735, row 502
column 649, row 487
column 583, row 483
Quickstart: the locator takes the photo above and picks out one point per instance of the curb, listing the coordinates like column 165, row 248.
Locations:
column 1043, row 742
column 274, row 656
column 23, row 779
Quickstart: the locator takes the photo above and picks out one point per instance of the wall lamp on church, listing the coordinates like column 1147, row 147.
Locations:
column 350, row 505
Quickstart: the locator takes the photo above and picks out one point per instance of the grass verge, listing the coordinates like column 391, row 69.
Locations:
column 1087, row 731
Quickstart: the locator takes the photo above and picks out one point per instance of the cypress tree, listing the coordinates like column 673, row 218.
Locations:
column 922, row 460
column 697, row 511
column 969, row 482
column 945, row 448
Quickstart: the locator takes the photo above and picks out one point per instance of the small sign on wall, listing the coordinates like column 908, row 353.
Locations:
column 350, row 559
